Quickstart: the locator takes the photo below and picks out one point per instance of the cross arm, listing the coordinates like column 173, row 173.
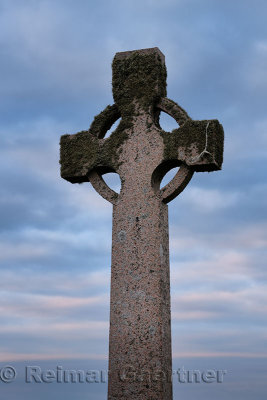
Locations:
column 198, row 144
column 78, row 155
column 84, row 152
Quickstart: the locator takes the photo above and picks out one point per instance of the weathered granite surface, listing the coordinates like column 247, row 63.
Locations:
column 141, row 153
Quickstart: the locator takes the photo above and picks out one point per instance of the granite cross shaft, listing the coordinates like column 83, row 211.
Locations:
column 140, row 365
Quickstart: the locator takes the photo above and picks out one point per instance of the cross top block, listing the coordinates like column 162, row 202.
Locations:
column 139, row 76
column 139, row 150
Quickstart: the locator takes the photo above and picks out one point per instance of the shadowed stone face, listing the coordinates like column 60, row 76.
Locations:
column 141, row 153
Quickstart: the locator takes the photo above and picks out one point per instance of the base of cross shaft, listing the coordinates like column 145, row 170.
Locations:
column 140, row 365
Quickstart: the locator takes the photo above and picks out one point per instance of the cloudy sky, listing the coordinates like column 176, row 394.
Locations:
column 55, row 237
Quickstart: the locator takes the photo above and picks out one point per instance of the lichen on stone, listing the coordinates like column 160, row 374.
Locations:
column 139, row 77
column 174, row 110
column 202, row 150
column 84, row 151
column 104, row 121
column 139, row 87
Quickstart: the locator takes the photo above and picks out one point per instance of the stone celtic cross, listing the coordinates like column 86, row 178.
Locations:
column 141, row 153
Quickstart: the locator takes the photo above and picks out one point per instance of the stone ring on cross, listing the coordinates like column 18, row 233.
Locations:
column 104, row 121
column 141, row 153
column 139, row 144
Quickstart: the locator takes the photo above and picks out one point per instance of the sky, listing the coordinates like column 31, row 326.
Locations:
column 55, row 237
